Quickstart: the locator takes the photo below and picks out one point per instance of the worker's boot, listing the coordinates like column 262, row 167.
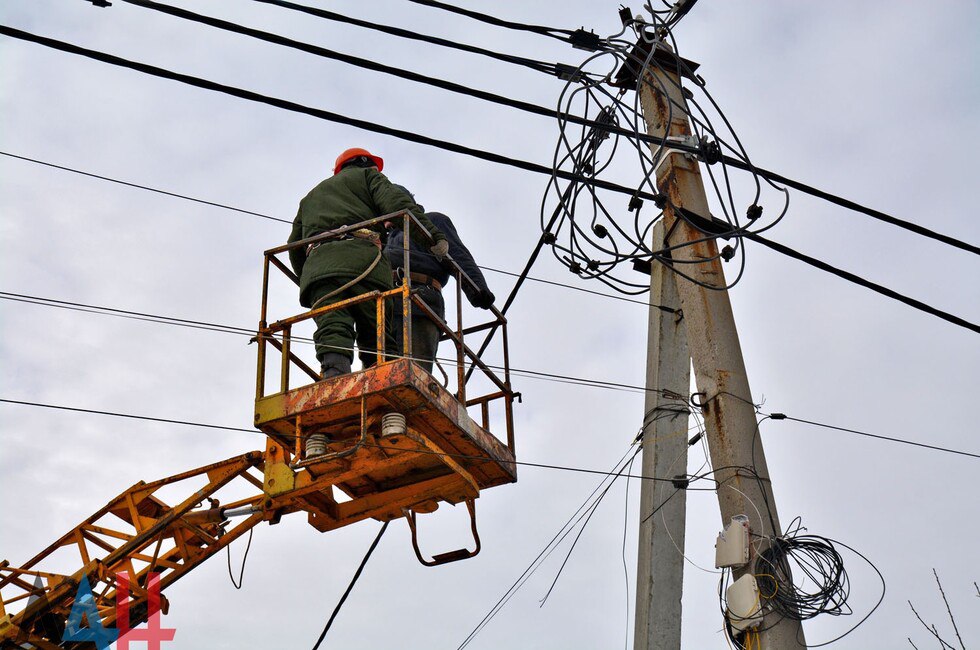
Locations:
column 333, row 364
column 316, row 445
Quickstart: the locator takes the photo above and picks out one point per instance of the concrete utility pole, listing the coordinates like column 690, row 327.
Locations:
column 729, row 414
column 660, row 564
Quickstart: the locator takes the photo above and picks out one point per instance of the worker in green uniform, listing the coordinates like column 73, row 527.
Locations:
column 352, row 264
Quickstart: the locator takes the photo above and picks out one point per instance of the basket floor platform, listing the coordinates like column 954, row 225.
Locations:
column 444, row 455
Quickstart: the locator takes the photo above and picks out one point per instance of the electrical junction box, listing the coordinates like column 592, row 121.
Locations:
column 732, row 545
column 744, row 610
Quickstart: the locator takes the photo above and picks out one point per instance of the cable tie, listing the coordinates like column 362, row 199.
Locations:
column 583, row 40
column 575, row 268
column 593, row 265
column 548, row 238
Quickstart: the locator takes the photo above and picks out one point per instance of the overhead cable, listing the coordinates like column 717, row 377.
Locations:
column 242, row 331
column 367, row 64
column 868, row 284
column 449, row 146
column 350, row 587
column 564, row 468
column 144, row 187
column 783, row 416
column 264, row 216
column 540, row 66
column 856, row 207
column 521, row 463
column 553, row 32
column 414, row 137
column 329, row 116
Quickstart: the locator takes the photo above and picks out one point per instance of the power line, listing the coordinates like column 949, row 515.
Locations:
column 372, row 65
column 461, row 149
column 257, row 214
column 350, row 587
column 564, row 468
column 581, row 470
column 540, row 66
column 329, row 116
column 144, row 187
column 323, row 52
column 242, row 331
column 449, row 146
column 856, row 207
column 553, row 32
column 868, row 284
column 542, row 111
column 783, row 416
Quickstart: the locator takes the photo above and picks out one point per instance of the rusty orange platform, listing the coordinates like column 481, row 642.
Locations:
column 444, row 455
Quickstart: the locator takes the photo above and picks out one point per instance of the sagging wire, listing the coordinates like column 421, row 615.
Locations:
column 589, row 238
column 799, row 576
column 241, row 574
column 821, row 585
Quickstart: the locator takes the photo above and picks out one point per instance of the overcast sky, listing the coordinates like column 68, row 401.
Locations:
column 876, row 101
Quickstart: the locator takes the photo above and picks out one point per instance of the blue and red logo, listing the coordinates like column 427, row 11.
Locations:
column 84, row 610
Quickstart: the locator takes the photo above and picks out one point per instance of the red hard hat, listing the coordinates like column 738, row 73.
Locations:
column 354, row 153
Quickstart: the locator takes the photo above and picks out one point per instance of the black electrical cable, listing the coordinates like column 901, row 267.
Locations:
column 350, row 587
column 591, row 511
column 366, row 64
column 856, row 207
column 560, row 34
column 783, row 416
column 241, row 574
column 577, row 470
column 123, row 313
column 858, row 280
column 540, row 66
column 449, row 146
column 818, row 559
column 241, row 331
column 257, row 214
column 520, row 105
column 543, row 554
column 145, row 187
column 306, row 110
column 168, row 320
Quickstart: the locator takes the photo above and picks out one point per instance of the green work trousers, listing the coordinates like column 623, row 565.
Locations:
column 336, row 331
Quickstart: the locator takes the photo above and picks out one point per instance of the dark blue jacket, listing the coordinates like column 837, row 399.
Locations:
column 422, row 261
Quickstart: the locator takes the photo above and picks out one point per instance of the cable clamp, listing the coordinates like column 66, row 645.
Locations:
column 567, row 72
column 583, row 40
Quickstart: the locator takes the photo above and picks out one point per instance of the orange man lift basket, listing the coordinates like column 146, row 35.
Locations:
column 399, row 443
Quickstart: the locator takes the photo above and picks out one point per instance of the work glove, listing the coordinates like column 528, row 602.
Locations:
column 440, row 249
column 484, row 300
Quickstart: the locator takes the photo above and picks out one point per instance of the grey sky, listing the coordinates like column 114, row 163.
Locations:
column 876, row 101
